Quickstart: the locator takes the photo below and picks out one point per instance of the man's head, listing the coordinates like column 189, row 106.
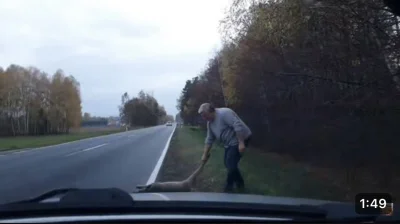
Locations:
column 207, row 111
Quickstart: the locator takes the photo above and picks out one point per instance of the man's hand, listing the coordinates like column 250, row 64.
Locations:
column 241, row 147
column 205, row 157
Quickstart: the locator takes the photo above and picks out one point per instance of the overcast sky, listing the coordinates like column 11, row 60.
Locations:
column 113, row 46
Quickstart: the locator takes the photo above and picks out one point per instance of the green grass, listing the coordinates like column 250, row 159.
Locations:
column 20, row 142
column 264, row 173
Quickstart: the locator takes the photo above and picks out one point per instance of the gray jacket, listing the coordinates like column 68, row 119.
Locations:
column 224, row 127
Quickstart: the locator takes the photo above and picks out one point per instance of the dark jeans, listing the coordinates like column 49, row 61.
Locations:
column 231, row 159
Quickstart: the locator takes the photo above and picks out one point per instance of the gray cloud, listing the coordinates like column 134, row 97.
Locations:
column 112, row 47
column 105, row 81
column 126, row 28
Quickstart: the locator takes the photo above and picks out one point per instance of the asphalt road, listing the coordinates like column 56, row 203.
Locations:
column 121, row 160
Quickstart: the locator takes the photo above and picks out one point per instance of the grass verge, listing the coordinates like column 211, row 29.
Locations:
column 21, row 142
column 264, row 173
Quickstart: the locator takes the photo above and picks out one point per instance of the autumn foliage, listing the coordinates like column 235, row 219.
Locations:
column 34, row 103
column 317, row 80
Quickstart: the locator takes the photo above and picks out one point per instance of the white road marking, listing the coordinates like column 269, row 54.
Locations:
column 73, row 153
column 19, row 152
column 12, row 152
column 94, row 147
column 154, row 174
column 84, row 150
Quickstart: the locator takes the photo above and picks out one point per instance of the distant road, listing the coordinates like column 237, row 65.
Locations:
column 121, row 160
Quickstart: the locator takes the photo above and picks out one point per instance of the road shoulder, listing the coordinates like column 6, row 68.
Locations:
column 264, row 173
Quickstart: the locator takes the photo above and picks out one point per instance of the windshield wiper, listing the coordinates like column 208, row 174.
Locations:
column 75, row 197
column 71, row 201
column 44, row 196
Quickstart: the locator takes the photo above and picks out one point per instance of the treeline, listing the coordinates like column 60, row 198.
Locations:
column 318, row 80
column 88, row 120
column 143, row 110
column 34, row 103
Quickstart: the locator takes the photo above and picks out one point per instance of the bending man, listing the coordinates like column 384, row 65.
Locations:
column 225, row 125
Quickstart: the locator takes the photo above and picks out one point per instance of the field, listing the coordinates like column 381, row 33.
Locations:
column 21, row 142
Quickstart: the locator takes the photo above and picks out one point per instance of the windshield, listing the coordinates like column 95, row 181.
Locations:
column 287, row 98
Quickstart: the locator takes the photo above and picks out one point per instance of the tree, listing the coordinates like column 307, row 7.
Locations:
column 142, row 110
column 206, row 87
column 31, row 103
column 309, row 78
column 86, row 116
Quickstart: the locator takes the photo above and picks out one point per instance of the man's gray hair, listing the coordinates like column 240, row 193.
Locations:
column 206, row 107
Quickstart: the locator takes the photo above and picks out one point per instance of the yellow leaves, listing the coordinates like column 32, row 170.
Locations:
column 51, row 104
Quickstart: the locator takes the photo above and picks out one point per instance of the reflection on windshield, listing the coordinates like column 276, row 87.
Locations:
column 299, row 99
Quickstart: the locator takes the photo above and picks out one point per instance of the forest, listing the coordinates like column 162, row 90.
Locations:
column 142, row 110
column 34, row 103
column 315, row 80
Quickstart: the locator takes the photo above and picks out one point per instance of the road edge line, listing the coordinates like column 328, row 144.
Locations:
column 157, row 168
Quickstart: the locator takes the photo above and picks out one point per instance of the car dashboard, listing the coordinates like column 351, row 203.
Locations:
column 114, row 205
